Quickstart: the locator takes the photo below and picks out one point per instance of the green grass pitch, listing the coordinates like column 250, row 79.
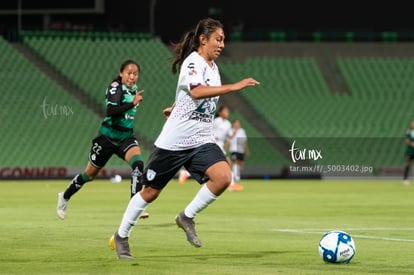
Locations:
column 272, row 227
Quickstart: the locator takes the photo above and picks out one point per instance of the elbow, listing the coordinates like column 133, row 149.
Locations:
column 109, row 111
column 196, row 92
column 196, row 96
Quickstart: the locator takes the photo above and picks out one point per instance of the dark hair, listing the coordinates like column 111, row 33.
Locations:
column 222, row 107
column 190, row 41
column 124, row 64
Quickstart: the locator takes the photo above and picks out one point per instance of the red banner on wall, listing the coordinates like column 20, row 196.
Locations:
column 56, row 172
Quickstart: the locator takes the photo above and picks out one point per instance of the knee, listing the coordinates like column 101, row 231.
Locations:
column 149, row 194
column 219, row 183
column 227, row 178
column 91, row 176
column 91, row 171
column 223, row 179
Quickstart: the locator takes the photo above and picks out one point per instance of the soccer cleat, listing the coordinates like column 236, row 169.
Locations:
column 406, row 182
column 121, row 246
column 61, row 206
column 187, row 224
column 183, row 176
column 144, row 215
column 235, row 187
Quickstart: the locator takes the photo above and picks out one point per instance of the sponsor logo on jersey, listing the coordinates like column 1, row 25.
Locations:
column 201, row 117
column 205, row 111
column 112, row 91
column 128, row 116
column 191, row 69
column 113, row 88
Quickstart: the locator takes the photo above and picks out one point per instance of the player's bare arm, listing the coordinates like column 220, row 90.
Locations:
column 202, row 91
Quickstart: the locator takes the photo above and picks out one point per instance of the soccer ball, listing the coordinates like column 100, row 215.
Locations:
column 336, row 247
column 116, row 179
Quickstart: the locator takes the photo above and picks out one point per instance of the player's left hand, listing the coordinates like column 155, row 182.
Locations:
column 138, row 97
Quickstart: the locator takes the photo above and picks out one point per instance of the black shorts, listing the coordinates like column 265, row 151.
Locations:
column 102, row 150
column 237, row 156
column 409, row 156
column 164, row 164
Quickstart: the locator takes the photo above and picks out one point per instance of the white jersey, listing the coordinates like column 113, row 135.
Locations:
column 237, row 141
column 221, row 129
column 190, row 123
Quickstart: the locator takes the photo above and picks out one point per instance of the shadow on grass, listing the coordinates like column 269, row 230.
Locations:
column 238, row 255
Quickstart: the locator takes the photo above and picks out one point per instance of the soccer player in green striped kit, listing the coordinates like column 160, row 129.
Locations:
column 116, row 135
column 409, row 152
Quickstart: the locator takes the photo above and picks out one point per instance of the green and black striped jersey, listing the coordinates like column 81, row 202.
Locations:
column 118, row 126
column 410, row 135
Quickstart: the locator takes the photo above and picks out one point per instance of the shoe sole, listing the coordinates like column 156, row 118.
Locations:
column 112, row 242
column 59, row 213
column 144, row 215
column 126, row 258
column 61, row 216
column 235, row 189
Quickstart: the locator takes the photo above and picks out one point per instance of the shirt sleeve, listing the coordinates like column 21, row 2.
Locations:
column 112, row 110
column 114, row 105
column 114, row 94
column 192, row 76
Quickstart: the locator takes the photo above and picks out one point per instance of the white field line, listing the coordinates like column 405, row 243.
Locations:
column 321, row 231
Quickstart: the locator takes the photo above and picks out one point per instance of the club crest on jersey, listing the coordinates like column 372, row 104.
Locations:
column 205, row 111
column 151, row 174
column 191, row 69
column 207, row 106
column 115, row 84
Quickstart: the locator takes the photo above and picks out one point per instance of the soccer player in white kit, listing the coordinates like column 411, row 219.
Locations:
column 222, row 129
column 186, row 138
column 238, row 149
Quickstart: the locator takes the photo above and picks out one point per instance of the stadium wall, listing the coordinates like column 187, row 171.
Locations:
column 238, row 52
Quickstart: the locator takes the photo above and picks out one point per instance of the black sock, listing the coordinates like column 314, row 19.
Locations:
column 136, row 176
column 406, row 171
column 77, row 182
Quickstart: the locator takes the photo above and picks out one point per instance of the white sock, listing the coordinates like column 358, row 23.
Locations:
column 203, row 199
column 136, row 206
column 233, row 173
column 236, row 172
